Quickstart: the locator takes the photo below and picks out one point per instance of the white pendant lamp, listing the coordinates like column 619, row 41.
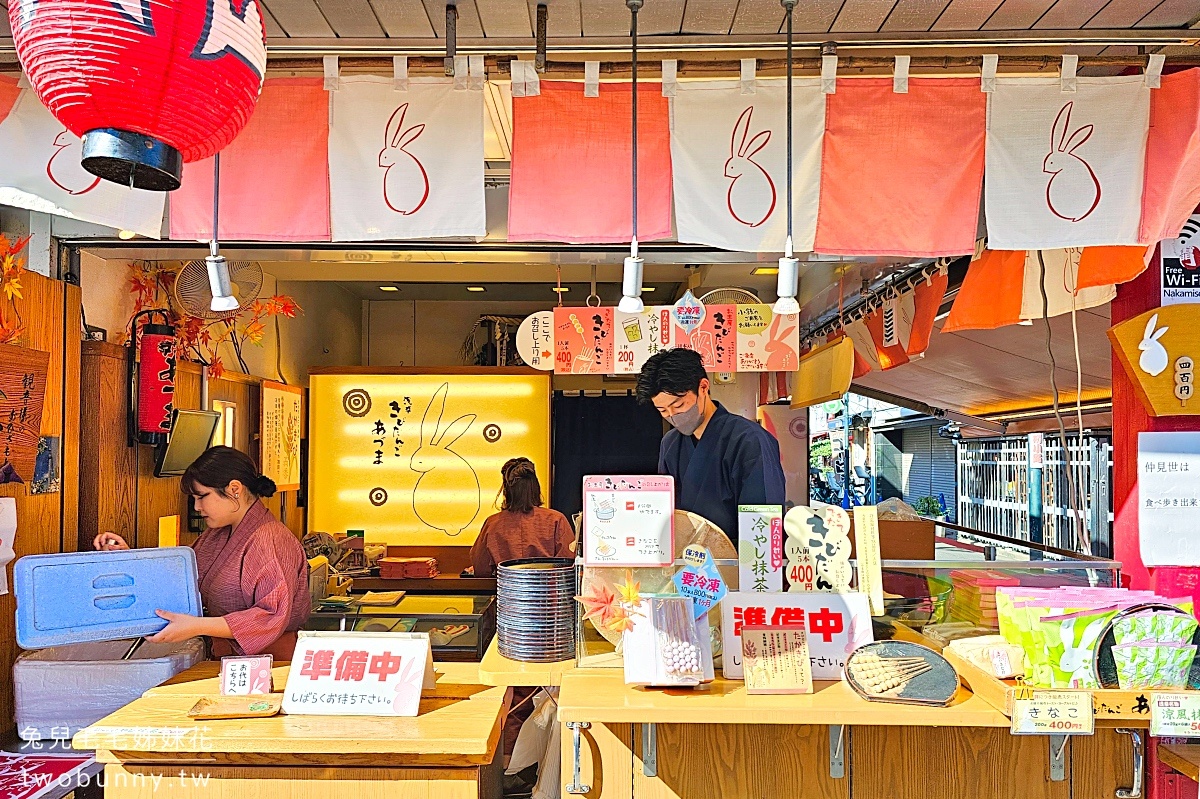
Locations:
column 218, row 269
column 788, row 284
column 631, row 276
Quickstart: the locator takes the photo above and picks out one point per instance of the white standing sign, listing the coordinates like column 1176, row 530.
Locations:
column 836, row 625
column 358, row 674
column 760, row 548
column 1168, row 498
column 629, row 521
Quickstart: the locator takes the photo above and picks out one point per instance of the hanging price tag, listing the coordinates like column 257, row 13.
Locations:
column 1175, row 715
column 1052, row 713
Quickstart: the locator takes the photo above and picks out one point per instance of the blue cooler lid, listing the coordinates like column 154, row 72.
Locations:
column 77, row 597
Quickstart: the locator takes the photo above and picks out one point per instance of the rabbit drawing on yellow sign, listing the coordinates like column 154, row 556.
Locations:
column 414, row 459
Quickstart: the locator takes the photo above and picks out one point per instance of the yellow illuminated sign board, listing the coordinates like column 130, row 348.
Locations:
column 414, row 459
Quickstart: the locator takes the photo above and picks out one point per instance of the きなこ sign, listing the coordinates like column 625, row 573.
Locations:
column 1175, row 715
column 243, row 676
column 700, row 580
column 835, row 625
column 22, row 391
column 1052, row 713
column 358, row 674
column 760, row 548
column 629, row 521
column 1168, row 498
column 282, row 420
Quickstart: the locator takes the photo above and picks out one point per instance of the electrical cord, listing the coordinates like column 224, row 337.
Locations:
column 1062, row 430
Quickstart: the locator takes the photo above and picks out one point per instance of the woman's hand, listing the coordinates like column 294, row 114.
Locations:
column 180, row 627
column 109, row 542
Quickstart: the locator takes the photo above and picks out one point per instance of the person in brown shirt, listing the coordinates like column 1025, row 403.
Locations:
column 522, row 528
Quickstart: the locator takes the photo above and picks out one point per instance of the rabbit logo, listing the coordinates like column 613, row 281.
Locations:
column 64, row 169
column 781, row 357
column 443, row 472
column 1073, row 191
column 405, row 182
column 1077, row 656
column 1154, row 359
column 751, row 196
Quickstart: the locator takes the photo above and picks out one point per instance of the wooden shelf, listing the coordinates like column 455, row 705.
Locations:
column 601, row 696
column 1184, row 758
column 1110, row 706
column 499, row 670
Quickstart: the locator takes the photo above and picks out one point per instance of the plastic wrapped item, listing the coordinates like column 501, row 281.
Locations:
column 61, row 690
column 897, row 510
column 667, row 645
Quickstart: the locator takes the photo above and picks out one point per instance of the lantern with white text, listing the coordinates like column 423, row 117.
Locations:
column 147, row 84
column 154, row 367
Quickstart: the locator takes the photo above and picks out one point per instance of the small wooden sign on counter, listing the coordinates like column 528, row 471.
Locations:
column 1037, row 712
column 775, row 660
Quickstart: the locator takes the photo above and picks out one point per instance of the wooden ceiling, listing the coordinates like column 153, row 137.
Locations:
column 508, row 19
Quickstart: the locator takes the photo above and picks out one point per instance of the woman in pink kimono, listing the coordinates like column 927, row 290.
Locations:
column 253, row 572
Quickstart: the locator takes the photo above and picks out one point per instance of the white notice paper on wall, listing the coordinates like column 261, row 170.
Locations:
column 1168, row 498
column 8, row 534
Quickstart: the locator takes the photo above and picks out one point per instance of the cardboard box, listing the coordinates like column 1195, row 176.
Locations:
column 902, row 540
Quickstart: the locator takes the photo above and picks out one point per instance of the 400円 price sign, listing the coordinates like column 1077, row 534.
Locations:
column 1037, row 712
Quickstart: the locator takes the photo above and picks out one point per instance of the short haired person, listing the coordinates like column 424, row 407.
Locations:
column 719, row 460
column 253, row 571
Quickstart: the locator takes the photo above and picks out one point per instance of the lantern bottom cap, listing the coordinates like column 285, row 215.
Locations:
column 132, row 159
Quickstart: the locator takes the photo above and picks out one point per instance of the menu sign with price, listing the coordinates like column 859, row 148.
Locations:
column 1175, row 715
column 1052, row 713
column 629, row 521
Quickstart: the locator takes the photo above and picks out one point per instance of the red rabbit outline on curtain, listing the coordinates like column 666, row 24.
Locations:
column 398, row 185
column 1068, row 197
column 740, row 154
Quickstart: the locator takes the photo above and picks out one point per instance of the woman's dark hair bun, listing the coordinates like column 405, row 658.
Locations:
column 263, row 486
column 219, row 466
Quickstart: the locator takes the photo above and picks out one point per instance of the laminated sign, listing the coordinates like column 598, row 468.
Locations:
column 358, row 674
column 628, row 521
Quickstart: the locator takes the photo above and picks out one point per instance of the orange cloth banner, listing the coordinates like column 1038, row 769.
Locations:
column 274, row 176
column 901, row 174
column 1172, row 190
column 571, row 160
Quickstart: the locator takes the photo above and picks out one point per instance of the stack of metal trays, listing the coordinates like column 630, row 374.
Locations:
column 535, row 609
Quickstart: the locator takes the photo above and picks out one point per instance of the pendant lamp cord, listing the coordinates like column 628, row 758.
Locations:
column 212, row 245
column 789, row 6
column 634, row 6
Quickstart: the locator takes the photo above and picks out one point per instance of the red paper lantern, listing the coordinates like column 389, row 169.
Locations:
column 147, row 84
column 156, row 383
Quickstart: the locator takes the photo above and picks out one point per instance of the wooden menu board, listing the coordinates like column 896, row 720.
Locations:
column 22, row 392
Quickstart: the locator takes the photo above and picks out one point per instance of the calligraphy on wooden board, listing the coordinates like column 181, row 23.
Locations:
column 22, row 393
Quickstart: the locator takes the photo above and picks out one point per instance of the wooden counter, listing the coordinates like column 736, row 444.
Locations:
column 499, row 670
column 450, row 749
column 602, row 695
column 718, row 741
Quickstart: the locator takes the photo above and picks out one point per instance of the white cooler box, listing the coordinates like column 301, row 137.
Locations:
column 62, row 689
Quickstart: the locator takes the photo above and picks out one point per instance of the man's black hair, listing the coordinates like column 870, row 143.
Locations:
column 674, row 372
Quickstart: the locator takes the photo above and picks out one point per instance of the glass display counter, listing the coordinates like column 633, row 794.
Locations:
column 436, row 614
column 925, row 601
